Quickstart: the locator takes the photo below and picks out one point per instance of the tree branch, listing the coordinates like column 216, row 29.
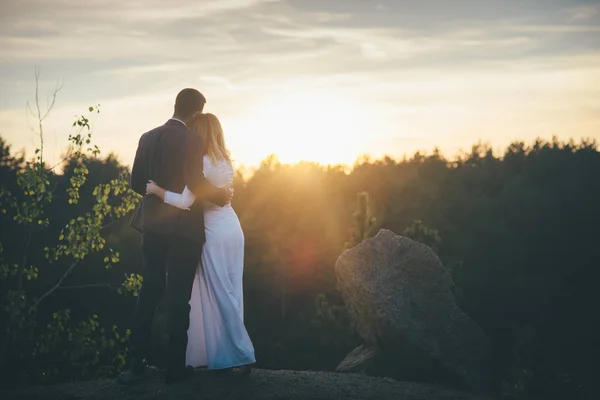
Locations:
column 97, row 285
column 39, row 114
column 57, row 285
column 66, row 157
column 38, row 111
column 67, row 272
column 49, row 107
column 111, row 223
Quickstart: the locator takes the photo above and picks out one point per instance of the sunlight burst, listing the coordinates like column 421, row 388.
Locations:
column 318, row 127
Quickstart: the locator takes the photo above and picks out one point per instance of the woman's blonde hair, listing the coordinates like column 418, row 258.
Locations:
column 209, row 126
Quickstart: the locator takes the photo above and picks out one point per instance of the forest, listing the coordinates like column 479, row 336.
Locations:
column 517, row 230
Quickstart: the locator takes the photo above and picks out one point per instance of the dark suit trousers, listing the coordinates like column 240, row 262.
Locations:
column 168, row 261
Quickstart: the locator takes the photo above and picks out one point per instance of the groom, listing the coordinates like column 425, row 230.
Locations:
column 172, row 239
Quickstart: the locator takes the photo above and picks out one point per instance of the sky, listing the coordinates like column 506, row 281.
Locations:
column 312, row 80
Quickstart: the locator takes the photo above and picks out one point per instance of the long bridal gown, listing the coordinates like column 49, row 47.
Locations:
column 217, row 337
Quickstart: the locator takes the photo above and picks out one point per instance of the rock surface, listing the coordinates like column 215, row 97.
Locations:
column 260, row 385
column 399, row 296
column 363, row 359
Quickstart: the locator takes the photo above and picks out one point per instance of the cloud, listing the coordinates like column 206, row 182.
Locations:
column 408, row 64
column 583, row 13
column 331, row 17
column 97, row 29
column 191, row 10
column 369, row 50
column 221, row 82
column 561, row 28
column 137, row 70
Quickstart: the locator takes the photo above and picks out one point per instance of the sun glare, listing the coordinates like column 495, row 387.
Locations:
column 318, row 127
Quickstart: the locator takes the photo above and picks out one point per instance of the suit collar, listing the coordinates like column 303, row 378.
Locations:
column 173, row 121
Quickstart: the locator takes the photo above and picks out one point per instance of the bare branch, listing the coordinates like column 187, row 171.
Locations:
column 98, row 285
column 57, row 285
column 67, row 272
column 39, row 114
column 65, row 158
column 49, row 108
column 28, row 111
column 112, row 223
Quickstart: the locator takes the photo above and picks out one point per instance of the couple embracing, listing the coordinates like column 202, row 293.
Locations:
column 192, row 246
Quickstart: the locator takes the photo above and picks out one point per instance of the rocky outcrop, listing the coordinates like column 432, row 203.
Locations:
column 363, row 359
column 399, row 296
column 260, row 385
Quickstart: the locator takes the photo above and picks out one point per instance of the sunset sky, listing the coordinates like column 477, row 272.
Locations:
column 318, row 80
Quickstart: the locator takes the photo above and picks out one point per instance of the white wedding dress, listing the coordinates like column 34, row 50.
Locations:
column 217, row 337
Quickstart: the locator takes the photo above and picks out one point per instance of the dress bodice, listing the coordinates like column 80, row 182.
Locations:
column 220, row 174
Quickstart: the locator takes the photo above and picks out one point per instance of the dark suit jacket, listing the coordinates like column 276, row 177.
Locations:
column 171, row 156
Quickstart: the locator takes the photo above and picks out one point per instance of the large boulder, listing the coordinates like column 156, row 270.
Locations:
column 400, row 298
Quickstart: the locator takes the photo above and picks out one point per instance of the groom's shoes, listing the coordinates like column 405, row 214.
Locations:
column 135, row 373
column 173, row 375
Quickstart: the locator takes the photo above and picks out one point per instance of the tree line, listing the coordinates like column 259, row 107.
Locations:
column 516, row 230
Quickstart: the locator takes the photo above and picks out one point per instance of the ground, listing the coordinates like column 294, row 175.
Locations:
column 260, row 385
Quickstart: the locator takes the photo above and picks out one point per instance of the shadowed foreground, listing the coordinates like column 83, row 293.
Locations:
column 262, row 384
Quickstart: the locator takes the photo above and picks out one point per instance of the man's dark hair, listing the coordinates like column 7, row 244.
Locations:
column 189, row 101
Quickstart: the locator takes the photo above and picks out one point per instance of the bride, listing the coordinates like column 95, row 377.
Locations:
column 217, row 337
